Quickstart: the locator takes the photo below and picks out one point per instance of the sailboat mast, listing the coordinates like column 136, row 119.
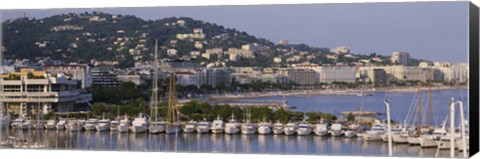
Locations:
column 430, row 107
column 172, row 100
column 154, row 104
column 419, row 109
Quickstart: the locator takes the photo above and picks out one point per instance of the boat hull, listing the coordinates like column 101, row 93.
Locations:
column 289, row 131
column 303, row 132
column 264, row 130
column 413, row 141
column 138, row 129
column 203, row 130
column 349, row 134
column 122, row 129
column 321, row 132
column 217, row 130
column 277, row 131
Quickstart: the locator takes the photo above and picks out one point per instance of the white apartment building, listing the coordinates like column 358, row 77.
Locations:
column 31, row 91
column 336, row 73
column 81, row 73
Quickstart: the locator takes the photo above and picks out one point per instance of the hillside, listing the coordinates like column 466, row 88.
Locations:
column 127, row 39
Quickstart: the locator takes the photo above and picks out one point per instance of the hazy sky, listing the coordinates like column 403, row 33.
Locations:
column 428, row 30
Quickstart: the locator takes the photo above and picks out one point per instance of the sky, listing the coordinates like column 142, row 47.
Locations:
column 436, row 31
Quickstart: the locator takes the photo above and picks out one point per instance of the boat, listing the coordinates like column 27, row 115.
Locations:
column 232, row 126
column 17, row 123
column 427, row 140
column 217, row 126
column 321, row 129
column 139, row 124
column 39, row 124
column 190, row 127
column 203, row 126
column 155, row 125
column 91, row 124
column 26, row 125
column 61, row 125
column 290, row 128
column 375, row 133
column 51, row 124
column 103, row 125
column 277, row 128
column 74, row 126
column 304, row 128
column 114, row 125
column 124, row 125
column 264, row 128
column 248, row 128
column 336, row 130
column 350, row 133
column 173, row 124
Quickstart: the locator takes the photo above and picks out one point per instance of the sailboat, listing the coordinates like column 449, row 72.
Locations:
column 427, row 140
column 155, row 126
column 173, row 125
column 248, row 127
column 232, row 126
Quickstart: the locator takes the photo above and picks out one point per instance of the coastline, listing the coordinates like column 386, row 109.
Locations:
column 344, row 92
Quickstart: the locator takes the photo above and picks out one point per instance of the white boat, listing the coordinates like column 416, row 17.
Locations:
column 62, row 124
column 157, row 127
column 290, row 128
column 190, row 127
column 51, row 124
column 321, row 130
column 114, row 125
column 336, row 130
column 232, row 126
column 375, row 133
column 103, row 125
column 124, row 125
column 400, row 138
column 139, row 124
column 217, row 126
column 39, row 124
column 203, row 127
column 173, row 129
column 413, row 140
column 304, row 129
column 350, row 133
column 277, row 128
column 264, row 128
column 91, row 124
column 17, row 123
column 74, row 126
column 27, row 125
column 427, row 141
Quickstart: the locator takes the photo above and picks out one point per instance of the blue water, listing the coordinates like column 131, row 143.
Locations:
column 400, row 102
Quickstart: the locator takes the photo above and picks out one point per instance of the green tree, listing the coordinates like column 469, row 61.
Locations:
column 350, row 117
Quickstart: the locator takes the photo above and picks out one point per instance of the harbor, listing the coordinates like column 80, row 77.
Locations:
column 316, row 139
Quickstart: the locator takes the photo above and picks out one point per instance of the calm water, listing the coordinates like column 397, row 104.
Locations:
column 259, row 144
column 399, row 103
column 219, row 143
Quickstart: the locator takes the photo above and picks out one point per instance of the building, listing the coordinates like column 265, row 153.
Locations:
column 187, row 78
column 401, row 58
column 29, row 91
column 102, row 77
column 234, row 57
column 283, row 42
column 82, row 73
column 336, row 73
column 277, row 60
column 340, row 50
column 130, row 77
column 214, row 77
column 378, row 76
column 461, row 72
column 302, row 76
column 243, row 53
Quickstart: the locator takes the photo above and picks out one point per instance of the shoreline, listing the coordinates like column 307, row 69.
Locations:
column 344, row 92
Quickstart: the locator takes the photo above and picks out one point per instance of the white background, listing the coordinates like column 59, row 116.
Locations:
column 67, row 154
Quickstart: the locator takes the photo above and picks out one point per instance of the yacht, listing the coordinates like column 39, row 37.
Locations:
column 304, row 128
column 290, row 128
column 395, row 130
column 232, row 127
column 91, row 124
column 336, row 130
column 139, row 124
column 375, row 133
column 103, row 125
column 190, row 127
column 277, row 128
column 124, row 125
column 114, row 125
column 157, row 127
column 62, row 124
column 350, row 133
column 321, row 130
column 217, row 126
column 427, row 141
column 264, row 128
column 173, row 128
column 51, row 124
column 203, row 127
column 74, row 126
column 39, row 124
